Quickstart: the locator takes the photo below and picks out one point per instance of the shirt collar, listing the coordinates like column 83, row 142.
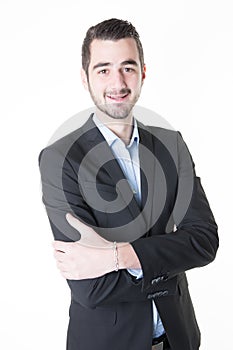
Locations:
column 110, row 137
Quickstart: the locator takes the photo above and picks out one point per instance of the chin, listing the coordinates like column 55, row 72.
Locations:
column 119, row 112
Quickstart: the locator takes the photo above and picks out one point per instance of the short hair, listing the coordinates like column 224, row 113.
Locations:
column 111, row 29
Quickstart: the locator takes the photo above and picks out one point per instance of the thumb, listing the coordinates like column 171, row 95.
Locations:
column 89, row 237
column 83, row 229
column 74, row 222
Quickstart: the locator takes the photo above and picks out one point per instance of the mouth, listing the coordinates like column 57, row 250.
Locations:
column 117, row 98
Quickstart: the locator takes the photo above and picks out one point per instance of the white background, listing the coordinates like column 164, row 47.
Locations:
column 189, row 55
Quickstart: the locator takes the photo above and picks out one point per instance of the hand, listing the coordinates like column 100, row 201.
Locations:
column 89, row 237
column 90, row 257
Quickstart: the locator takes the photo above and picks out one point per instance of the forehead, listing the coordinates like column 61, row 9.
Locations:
column 113, row 51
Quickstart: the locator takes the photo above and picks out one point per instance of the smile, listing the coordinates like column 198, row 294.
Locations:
column 117, row 98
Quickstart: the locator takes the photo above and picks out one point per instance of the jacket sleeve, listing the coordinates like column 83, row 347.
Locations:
column 59, row 182
column 193, row 243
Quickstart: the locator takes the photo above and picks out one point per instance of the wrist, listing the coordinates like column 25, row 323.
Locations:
column 127, row 258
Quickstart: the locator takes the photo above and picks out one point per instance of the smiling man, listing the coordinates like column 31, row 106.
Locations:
column 140, row 215
column 114, row 84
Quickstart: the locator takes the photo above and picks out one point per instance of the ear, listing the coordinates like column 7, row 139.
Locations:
column 143, row 73
column 84, row 79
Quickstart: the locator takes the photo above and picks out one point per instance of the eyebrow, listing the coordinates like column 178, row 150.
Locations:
column 132, row 62
column 106, row 64
column 101, row 64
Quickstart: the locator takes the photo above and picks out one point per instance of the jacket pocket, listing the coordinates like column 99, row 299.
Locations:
column 97, row 317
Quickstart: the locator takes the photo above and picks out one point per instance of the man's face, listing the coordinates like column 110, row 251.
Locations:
column 115, row 76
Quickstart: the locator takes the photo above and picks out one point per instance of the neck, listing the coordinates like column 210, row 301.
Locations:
column 121, row 127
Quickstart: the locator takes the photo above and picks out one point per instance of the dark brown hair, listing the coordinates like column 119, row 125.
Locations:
column 111, row 29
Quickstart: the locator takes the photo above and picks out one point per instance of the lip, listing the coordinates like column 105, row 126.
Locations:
column 117, row 98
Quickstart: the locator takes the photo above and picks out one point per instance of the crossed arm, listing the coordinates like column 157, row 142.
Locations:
column 92, row 256
column 90, row 271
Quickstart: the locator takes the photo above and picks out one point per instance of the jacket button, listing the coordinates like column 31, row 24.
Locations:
column 150, row 296
column 165, row 292
column 162, row 293
column 164, row 278
column 159, row 279
column 156, row 280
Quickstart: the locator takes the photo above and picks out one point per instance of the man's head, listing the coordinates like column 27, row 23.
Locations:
column 111, row 29
column 113, row 67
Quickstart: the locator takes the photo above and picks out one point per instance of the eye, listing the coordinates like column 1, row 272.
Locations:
column 128, row 69
column 103, row 71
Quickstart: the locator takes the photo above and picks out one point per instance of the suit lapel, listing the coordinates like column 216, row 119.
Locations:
column 158, row 174
column 148, row 168
column 103, row 158
column 153, row 182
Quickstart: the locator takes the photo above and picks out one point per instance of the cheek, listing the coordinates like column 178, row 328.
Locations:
column 137, row 86
column 97, row 86
column 135, row 83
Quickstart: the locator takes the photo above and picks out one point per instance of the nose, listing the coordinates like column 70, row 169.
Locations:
column 118, row 80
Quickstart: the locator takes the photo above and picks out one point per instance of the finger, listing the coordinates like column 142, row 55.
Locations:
column 62, row 267
column 67, row 275
column 89, row 237
column 59, row 256
column 84, row 230
column 61, row 246
column 74, row 222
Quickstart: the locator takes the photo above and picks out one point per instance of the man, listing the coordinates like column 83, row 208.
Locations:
column 140, row 216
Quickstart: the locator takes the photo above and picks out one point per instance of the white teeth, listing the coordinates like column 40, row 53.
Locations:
column 116, row 97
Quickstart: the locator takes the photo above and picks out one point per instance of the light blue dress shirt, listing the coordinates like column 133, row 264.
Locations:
column 128, row 159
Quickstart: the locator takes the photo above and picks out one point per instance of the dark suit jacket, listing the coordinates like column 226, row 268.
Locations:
column 115, row 311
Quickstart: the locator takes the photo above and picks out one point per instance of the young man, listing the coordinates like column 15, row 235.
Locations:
column 145, row 218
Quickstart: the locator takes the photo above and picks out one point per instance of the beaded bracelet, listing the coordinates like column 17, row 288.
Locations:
column 115, row 250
